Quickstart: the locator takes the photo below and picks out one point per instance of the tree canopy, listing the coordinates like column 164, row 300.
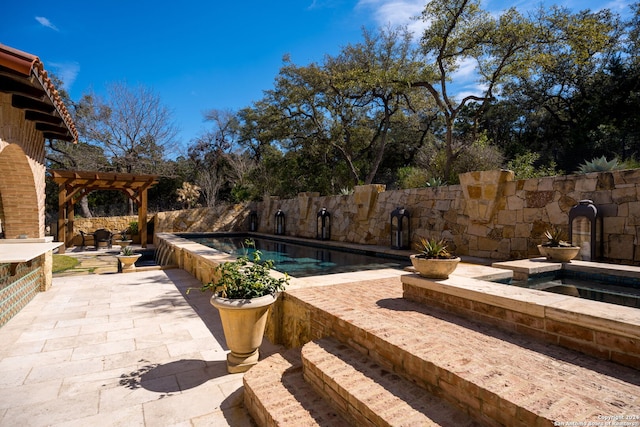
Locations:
column 552, row 89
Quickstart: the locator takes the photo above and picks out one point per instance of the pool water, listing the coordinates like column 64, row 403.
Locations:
column 301, row 260
column 610, row 289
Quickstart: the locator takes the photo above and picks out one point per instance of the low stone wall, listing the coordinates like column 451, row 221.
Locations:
column 489, row 215
column 114, row 224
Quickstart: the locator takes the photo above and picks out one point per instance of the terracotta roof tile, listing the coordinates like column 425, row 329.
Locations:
column 21, row 71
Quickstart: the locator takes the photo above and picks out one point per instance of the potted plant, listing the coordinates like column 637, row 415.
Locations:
column 134, row 231
column 124, row 239
column 243, row 292
column 556, row 248
column 128, row 258
column 434, row 260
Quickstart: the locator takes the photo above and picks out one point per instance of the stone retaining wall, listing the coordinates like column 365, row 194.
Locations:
column 489, row 215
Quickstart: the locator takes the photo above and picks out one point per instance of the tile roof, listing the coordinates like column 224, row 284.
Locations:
column 23, row 76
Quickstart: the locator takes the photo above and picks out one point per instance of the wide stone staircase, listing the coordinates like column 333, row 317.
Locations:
column 378, row 359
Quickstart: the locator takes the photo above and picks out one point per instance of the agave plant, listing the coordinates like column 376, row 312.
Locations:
column 127, row 251
column 432, row 248
column 555, row 238
column 436, row 182
column 600, row 165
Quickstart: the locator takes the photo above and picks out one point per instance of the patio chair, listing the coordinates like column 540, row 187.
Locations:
column 103, row 236
column 85, row 237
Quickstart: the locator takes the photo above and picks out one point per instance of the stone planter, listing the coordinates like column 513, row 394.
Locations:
column 243, row 322
column 559, row 253
column 123, row 243
column 128, row 262
column 434, row 268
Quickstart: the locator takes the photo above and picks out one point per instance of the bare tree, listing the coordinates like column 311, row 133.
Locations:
column 131, row 125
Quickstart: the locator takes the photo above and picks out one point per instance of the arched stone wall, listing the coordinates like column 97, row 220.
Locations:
column 18, row 191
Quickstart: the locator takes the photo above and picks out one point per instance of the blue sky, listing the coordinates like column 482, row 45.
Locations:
column 201, row 55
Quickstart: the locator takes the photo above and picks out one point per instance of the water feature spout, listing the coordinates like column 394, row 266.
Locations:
column 164, row 254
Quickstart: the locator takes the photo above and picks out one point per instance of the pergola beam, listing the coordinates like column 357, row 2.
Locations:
column 72, row 183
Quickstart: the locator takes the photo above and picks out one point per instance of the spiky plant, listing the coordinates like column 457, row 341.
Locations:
column 346, row 191
column 555, row 238
column 436, row 182
column 127, row 251
column 600, row 165
column 432, row 248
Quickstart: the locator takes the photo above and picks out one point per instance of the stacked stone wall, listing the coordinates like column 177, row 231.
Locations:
column 115, row 224
column 489, row 215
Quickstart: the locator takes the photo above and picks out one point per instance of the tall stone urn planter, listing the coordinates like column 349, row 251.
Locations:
column 127, row 259
column 244, row 291
column 243, row 322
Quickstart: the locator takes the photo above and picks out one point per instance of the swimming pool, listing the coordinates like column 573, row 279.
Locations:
column 301, row 259
column 607, row 288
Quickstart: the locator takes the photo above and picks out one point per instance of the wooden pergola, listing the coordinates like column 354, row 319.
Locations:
column 73, row 185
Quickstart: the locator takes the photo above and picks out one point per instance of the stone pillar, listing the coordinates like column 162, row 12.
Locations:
column 366, row 197
column 483, row 192
column 304, row 202
column 47, row 271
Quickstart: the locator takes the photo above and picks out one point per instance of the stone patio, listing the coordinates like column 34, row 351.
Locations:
column 118, row 349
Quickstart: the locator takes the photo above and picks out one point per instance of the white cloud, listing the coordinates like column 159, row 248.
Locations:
column 46, row 23
column 466, row 70
column 397, row 12
column 66, row 71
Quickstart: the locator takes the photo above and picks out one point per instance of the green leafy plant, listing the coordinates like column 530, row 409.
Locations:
column 246, row 278
column 555, row 238
column 411, row 177
column 133, row 227
column 123, row 235
column 432, row 248
column 127, row 251
column 601, row 165
column 523, row 166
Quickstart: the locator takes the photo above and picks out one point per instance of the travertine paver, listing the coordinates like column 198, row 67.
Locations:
column 118, row 349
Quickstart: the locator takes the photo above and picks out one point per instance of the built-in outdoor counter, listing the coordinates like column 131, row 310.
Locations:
column 25, row 269
column 15, row 251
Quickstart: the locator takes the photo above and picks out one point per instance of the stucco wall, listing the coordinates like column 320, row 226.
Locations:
column 488, row 215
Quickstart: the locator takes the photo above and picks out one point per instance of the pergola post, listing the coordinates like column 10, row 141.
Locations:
column 68, row 235
column 62, row 230
column 142, row 217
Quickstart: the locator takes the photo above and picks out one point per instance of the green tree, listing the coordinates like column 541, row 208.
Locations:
column 335, row 121
column 459, row 32
column 571, row 90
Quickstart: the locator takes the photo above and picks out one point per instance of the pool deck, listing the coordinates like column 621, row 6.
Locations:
column 101, row 348
column 134, row 349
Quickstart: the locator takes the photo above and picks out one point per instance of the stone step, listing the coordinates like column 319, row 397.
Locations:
column 275, row 394
column 368, row 394
column 496, row 376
